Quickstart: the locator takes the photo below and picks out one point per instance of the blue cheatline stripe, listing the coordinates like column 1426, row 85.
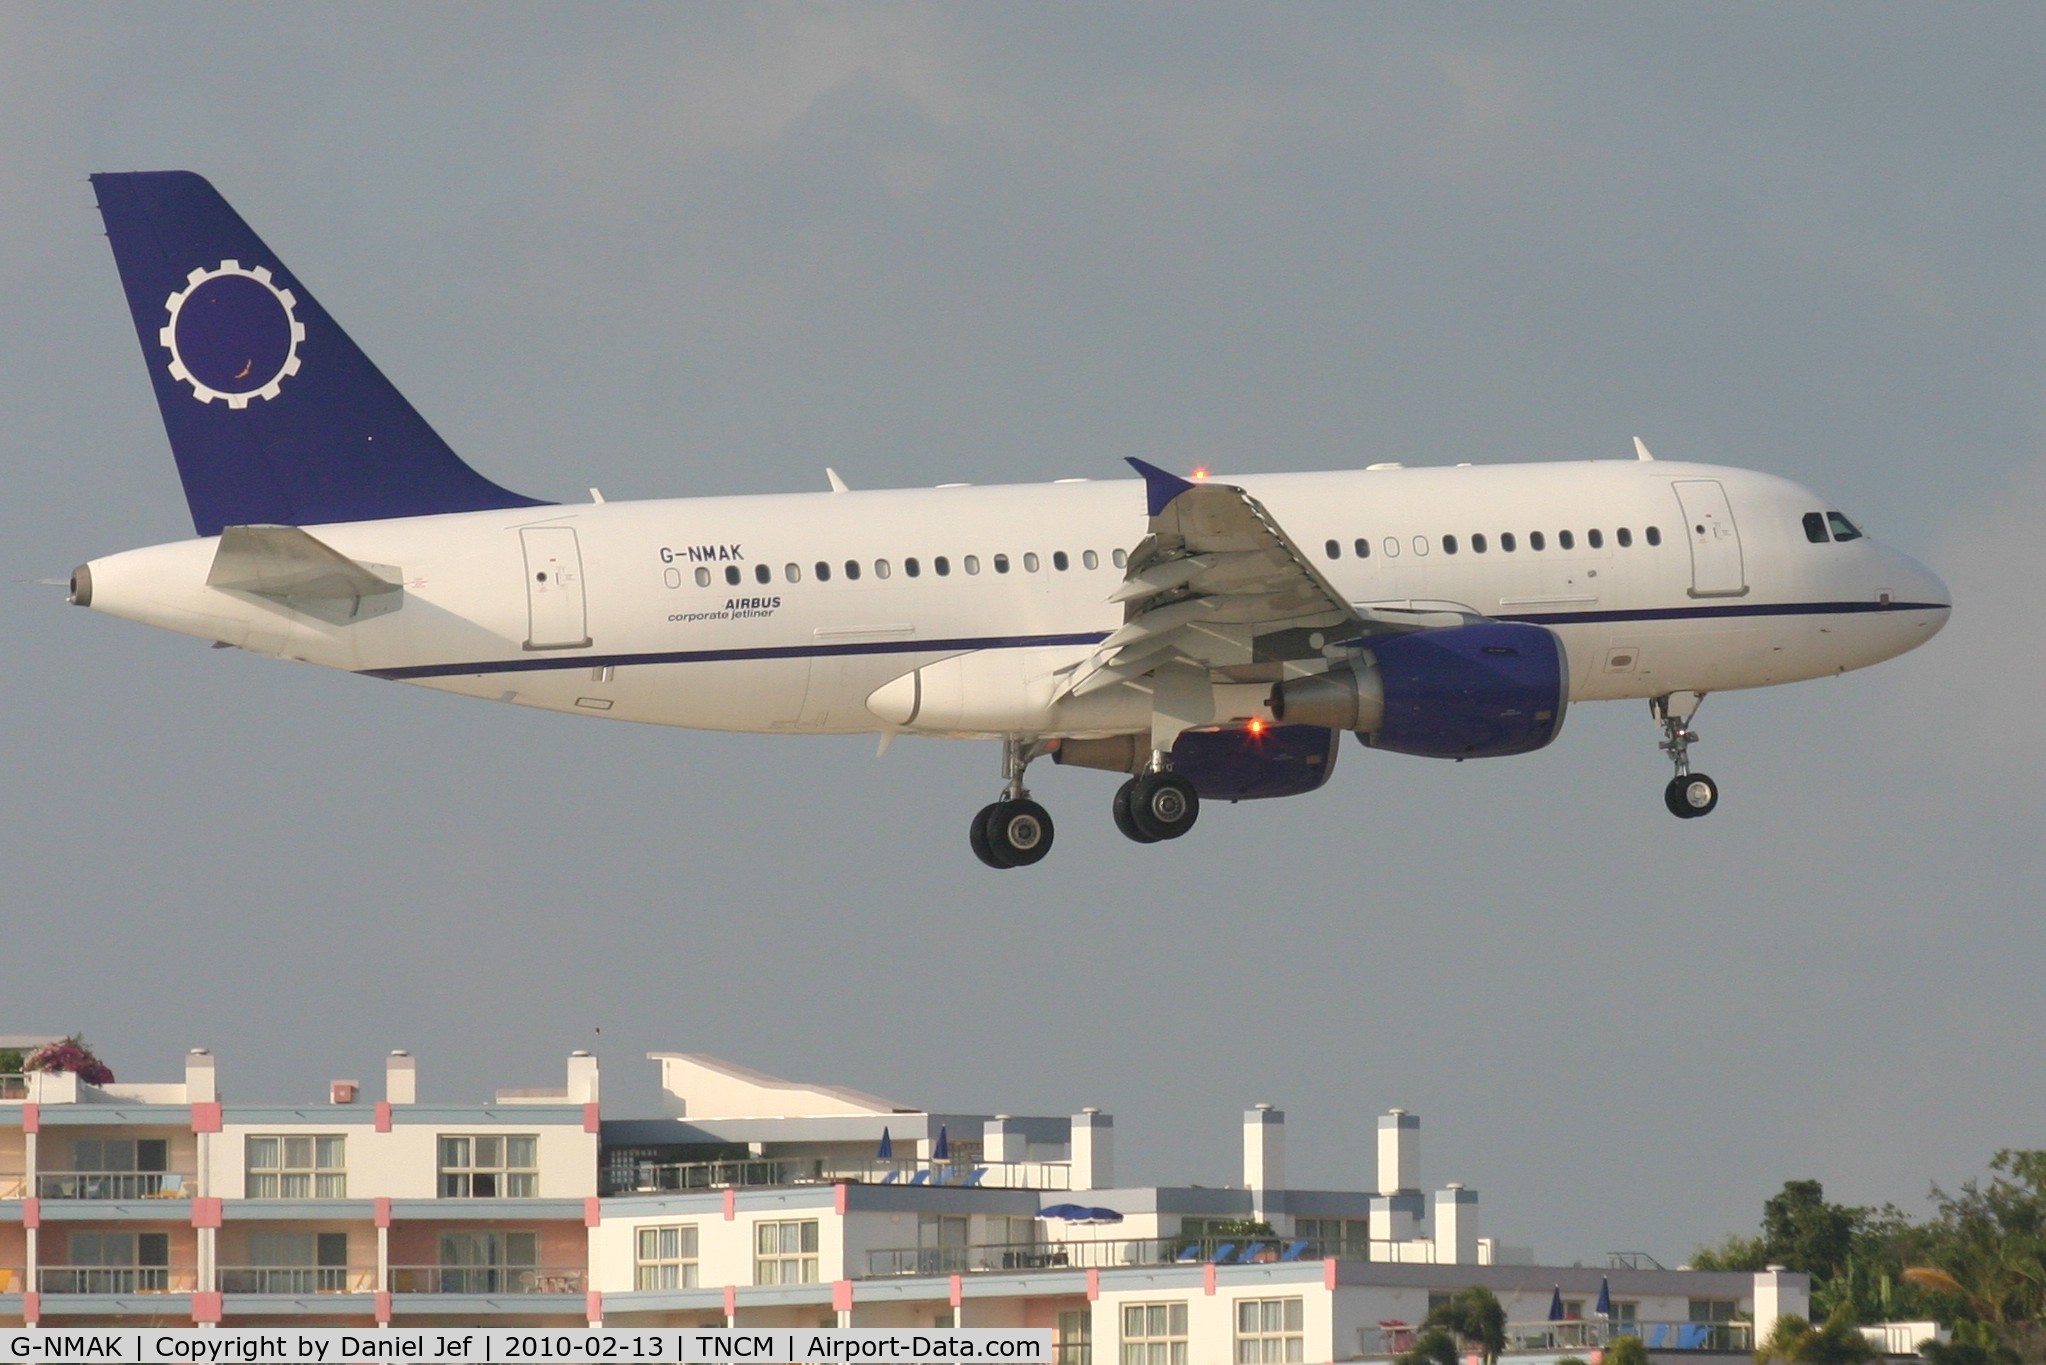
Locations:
column 551, row 661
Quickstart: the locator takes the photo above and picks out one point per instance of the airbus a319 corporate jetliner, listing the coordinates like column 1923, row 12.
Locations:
column 1208, row 639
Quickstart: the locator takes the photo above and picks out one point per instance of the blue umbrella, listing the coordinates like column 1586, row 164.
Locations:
column 1605, row 1298
column 1099, row 1215
column 886, row 1151
column 1071, row 1213
column 1556, row 1305
column 944, row 1148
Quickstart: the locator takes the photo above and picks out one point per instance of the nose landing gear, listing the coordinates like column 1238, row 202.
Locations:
column 1014, row 831
column 1688, row 795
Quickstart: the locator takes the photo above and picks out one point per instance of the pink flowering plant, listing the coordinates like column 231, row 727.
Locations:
column 73, row 1055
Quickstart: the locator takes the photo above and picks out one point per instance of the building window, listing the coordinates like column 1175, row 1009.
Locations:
column 1269, row 1330
column 1154, row 1334
column 487, row 1262
column 941, row 1244
column 120, row 1154
column 289, row 1166
column 291, row 1263
column 785, row 1253
column 667, row 1258
column 113, row 1263
column 1347, row 1238
column 490, row 1167
column 1074, row 1344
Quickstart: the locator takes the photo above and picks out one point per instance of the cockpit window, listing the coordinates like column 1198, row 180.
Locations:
column 1843, row 529
column 1815, row 527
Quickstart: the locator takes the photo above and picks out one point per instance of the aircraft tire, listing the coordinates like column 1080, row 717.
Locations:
column 1018, row 832
column 1690, row 797
column 1164, row 805
column 1125, row 821
column 983, row 846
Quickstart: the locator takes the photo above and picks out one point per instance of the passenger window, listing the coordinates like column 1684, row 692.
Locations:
column 793, row 573
column 1420, row 545
column 1566, row 540
column 1362, row 547
column 1815, row 528
column 973, row 563
column 852, row 570
column 1536, row 542
column 911, row 567
column 1332, row 550
column 1059, row 561
column 1030, row 561
column 1506, row 542
column 1625, row 536
column 1449, row 545
column 1596, row 537
column 1001, row 563
column 1477, row 542
column 881, row 569
column 702, row 577
column 1089, row 559
column 1843, row 529
column 823, row 572
column 1392, row 547
column 1654, row 534
column 942, row 565
column 732, row 574
column 762, row 574
column 1120, row 558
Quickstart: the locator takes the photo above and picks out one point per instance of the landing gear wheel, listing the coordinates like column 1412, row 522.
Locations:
column 1017, row 832
column 1164, row 805
column 1125, row 821
column 1690, row 796
column 977, row 835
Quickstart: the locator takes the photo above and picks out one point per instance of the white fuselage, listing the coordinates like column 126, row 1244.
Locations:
column 603, row 609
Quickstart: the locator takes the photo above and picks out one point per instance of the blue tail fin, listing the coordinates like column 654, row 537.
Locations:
column 274, row 415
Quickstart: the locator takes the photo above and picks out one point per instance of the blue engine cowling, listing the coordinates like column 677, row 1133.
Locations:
column 1480, row 691
column 1239, row 765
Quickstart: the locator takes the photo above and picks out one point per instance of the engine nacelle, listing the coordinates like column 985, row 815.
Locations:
column 1236, row 764
column 1481, row 691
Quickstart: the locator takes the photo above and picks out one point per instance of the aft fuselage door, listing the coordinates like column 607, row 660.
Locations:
column 556, row 615
column 1716, row 568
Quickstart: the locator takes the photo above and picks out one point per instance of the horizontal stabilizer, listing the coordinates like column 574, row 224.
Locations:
column 307, row 573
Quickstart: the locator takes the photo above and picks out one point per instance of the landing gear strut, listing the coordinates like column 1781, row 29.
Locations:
column 1155, row 805
column 1014, row 831
column 1688, row 795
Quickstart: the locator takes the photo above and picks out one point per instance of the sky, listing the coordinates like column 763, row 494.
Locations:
column 669, row 251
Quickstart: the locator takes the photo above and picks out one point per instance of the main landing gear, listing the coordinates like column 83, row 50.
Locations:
column 1688, row 795
column 1014, row 831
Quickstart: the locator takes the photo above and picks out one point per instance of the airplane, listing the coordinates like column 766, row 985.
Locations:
column 1209, row 639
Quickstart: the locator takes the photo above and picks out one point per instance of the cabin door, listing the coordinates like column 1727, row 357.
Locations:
column 1716, row 569
column 556, row 614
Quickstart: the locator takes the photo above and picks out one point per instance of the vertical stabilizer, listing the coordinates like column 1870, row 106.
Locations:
column 274, row 415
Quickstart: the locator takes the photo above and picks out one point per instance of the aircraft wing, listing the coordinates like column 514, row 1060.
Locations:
column 1218, row 584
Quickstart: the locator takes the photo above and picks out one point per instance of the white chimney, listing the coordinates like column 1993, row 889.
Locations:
column 1002, row 1140
column 199, row 1080
column 1093, row 1148
column 401, row 1078
column 1456, row 1226
column 1399, row 1151
column 582, row 1078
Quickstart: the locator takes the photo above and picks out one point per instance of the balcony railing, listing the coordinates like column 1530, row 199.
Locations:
column 488, row 1279
column 325, row 1279
column 116, row 1185
column 117, row 1279
column 648, row 1177
column 1596, row 1333
column 13, row 1085
column 1091, row 1254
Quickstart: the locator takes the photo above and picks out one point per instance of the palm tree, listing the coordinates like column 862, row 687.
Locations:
column 1475, row 1316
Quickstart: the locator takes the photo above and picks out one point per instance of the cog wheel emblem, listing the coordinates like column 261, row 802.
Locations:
column 232, row 334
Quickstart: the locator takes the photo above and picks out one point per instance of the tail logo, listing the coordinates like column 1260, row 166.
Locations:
column 232, row 334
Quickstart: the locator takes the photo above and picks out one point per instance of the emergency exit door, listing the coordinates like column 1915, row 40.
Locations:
column 556, row 614
column 1716, row 568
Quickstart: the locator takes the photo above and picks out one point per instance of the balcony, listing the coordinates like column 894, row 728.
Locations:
column 298, row 1280
column 117, row 1279
column 116, row 1185
column 1096, row 1254
column 661, row 1177
column 13, row 1185
column 488, row 1279
column 13, row 1085
column 13, row 1279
